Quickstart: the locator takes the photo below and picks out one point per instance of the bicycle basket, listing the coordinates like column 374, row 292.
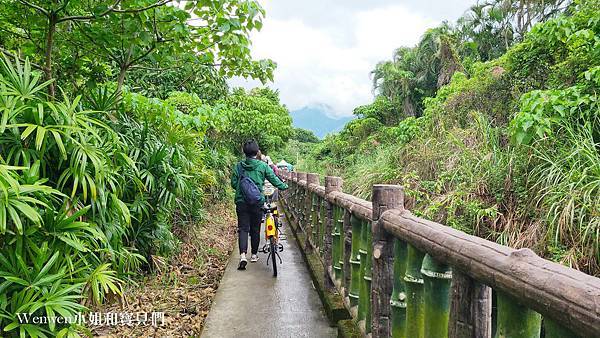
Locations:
column 269, row 189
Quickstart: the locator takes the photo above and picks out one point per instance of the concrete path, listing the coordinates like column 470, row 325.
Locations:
column 253, row 303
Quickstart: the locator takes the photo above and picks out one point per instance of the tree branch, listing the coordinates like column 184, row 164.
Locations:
column 146, row 53
column 112, row 9
column 137, row 10
column 89, row 17
column 61, row 8
column 36, row 7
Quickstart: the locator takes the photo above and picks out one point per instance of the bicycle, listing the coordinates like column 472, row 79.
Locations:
column 272, row 226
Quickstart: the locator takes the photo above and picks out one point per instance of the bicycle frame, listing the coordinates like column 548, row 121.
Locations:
column 272, row 246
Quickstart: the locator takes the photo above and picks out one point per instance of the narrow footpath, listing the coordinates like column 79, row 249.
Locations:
column 253, row 303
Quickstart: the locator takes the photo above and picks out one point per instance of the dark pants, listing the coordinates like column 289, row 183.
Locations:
column 249, row 219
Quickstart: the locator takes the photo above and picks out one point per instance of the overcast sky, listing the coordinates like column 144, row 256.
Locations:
column 325, row 49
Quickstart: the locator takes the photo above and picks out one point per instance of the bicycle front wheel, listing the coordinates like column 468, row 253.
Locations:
column 273, row 250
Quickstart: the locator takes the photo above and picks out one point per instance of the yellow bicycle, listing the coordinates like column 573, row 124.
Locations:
column 272, row 247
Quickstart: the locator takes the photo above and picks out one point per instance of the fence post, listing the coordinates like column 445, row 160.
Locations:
column 355, row 261
column 515, row 319
column 346, row 244
column 384, row 197
column 398, row 301
column 555, row 330
column 291, row 201
column 331, row 184
column 322, row 221
column 364, row 297
column 311, row 204
column 301, row 201
column 437, row 278
column 415, row 314
column 470, row 308
column 368, row 278
column 338, row 242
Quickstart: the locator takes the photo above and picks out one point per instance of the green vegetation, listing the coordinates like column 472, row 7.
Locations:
column 116, row 126
column 298, row 147
column 492, row 127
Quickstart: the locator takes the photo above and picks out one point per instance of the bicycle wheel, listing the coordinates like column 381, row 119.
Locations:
column 273, row 248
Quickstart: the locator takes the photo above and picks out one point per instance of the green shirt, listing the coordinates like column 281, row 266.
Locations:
column 258, row 171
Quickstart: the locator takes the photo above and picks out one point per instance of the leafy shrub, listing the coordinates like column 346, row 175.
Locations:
column 88, row 198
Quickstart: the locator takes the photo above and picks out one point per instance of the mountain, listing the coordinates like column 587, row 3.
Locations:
column 317, row 119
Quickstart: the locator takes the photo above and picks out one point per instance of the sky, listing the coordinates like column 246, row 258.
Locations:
column 325, row 50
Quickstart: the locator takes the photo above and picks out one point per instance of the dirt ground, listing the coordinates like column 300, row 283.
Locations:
column 184, row 289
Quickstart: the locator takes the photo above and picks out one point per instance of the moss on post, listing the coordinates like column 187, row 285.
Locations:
column 515, row 320
column 338, row 259
column 355, row 261
column 314, row 221
column 321, row 231
column 364, row 297
column 555, row 330
column 437, row 278
column 368, row 276
column 415, row 314
column 398, row 301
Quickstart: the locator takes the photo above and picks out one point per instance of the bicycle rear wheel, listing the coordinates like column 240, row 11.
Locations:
column 273, row 250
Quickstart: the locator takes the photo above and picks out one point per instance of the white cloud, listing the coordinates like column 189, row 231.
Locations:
column 328, row 63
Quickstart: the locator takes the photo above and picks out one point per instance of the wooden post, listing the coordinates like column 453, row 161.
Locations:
column 364, row 297
column 384, row 197
column 319, row 232
column 339, row 236
column 436, row 278
column 294, row 194
column 470, row 308
column 415, row 314
column 398, row 302
column 331, row 184
column 322, row 221
column 555, row 330
column 347, row 252
column 311, row 203
column 368, row 278
column 301, row 200
column 355, row 261
column 338, row 242
column 336, row 254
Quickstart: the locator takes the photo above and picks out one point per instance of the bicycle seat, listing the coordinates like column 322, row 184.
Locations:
column 269, row 208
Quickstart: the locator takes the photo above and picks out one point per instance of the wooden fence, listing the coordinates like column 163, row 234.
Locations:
column 404, row 276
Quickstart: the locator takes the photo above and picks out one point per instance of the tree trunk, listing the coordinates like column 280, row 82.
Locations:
column 48, row 54
column 121, row 79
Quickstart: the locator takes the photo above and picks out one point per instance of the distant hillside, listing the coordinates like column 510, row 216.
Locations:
column 316, row 119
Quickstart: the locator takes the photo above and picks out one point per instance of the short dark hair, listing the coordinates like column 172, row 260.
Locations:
column 250, row 148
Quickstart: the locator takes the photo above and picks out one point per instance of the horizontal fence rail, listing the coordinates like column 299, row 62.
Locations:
column 404, row 276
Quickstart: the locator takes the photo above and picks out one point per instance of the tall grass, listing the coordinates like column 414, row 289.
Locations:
column 566, row 171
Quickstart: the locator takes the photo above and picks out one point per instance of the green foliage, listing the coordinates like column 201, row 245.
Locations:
column 124, row 139
column 84, row 43
column 89, row 198
column 304, row 136
column 382, row 109
column 258, row 114
column 566, row 172
column 507, row 150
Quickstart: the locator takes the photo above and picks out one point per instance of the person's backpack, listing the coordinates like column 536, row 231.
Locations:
column 247, row 187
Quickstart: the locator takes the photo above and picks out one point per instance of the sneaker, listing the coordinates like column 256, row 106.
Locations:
column 243, row 262
column 253, row 258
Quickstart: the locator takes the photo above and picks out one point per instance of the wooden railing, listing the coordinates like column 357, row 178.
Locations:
column 403, row 276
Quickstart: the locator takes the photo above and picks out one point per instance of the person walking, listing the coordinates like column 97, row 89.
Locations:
column 248, row 179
